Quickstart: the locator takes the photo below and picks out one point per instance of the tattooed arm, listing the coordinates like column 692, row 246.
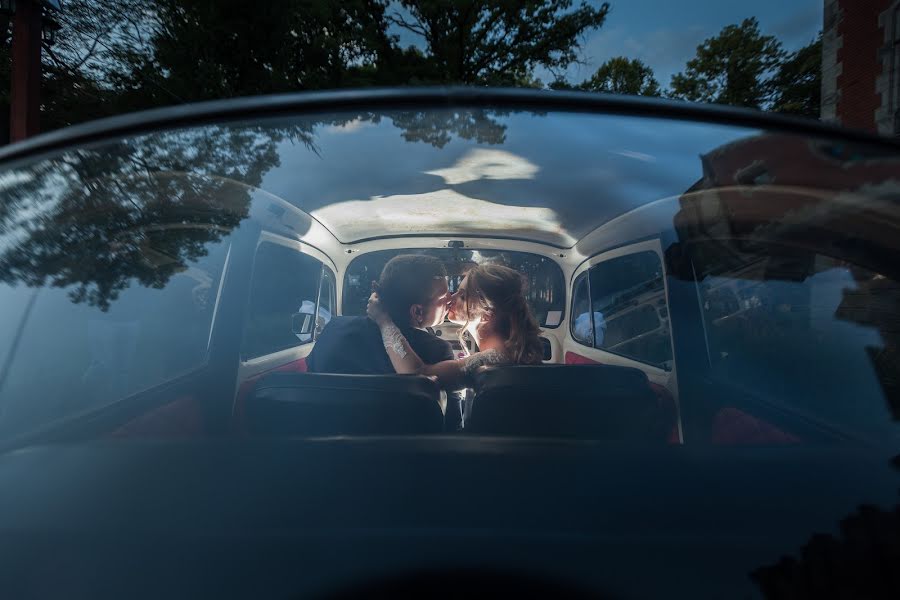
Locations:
column 450, row 373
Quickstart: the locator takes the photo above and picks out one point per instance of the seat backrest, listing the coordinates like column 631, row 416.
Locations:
column 599, row 402
column 315, row 404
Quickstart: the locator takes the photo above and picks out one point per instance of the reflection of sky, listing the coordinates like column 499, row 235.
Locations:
column 586, row 169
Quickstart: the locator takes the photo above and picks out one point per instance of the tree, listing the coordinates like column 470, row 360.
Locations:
column 209, row 49
column 115, row 56
column 620, row 75
column 562, row 84
column 73, row 89
column 797, row 85
column 733, row 68
column 498, row 43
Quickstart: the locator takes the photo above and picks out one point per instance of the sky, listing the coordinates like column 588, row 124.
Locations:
column 665, row 33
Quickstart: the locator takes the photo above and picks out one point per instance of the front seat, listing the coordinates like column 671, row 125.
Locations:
column 597, row 402
column 316, row 404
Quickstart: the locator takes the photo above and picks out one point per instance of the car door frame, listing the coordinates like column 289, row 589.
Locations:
column 658, row 376
column 250, row 369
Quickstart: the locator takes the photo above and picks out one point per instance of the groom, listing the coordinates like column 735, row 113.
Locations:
column 414, row 290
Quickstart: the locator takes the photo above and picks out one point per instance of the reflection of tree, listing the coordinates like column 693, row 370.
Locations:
column 437, row 127
column 860, row 563
column 141, row 209
column 95, row 219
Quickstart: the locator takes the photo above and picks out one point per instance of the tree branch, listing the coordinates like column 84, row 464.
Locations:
column 399, row 21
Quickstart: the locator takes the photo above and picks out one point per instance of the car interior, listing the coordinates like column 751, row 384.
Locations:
column 622, row 398
column 609, row 381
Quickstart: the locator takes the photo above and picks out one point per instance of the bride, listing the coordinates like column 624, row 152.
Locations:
column 489, row 304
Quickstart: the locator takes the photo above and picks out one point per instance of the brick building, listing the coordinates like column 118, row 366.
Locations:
column 861, row 64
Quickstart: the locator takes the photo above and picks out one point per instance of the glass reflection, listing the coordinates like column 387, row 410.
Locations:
column 98, row 243
column 793, row 244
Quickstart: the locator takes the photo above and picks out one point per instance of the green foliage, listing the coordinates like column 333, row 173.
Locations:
column 797, row 85
column 116, row 56
column 208, row 49
column 734, row 67
column 620, row 75
column 501, row 42
column 74, row 88
column 561, row 84
column 437, row 128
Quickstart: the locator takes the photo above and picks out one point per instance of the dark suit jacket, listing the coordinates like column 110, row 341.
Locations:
column 353, row 346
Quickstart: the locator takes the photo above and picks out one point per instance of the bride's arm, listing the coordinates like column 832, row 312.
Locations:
column 450, row 373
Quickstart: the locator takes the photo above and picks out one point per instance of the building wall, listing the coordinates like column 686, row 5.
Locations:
column 886, row 84
column 859, row 64
column 831, row 68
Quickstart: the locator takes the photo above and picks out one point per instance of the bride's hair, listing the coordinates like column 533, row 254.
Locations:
column 500, row 292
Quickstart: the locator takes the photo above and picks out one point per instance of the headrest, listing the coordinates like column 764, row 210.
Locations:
column 314, row 404
column 571, row 401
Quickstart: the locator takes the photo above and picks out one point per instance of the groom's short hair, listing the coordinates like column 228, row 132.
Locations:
column 406, row 280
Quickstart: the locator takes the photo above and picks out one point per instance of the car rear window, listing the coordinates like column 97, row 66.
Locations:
column 546, row 288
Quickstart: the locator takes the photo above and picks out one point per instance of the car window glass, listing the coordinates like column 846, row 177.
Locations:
column 73, row 354
column 804, row 330
column 283, row 293
column 581, row 318
column 326, row 300
column 628, row 308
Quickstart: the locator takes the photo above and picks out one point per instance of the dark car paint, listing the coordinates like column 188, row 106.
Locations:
column 295, row 518
column 425, row 97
